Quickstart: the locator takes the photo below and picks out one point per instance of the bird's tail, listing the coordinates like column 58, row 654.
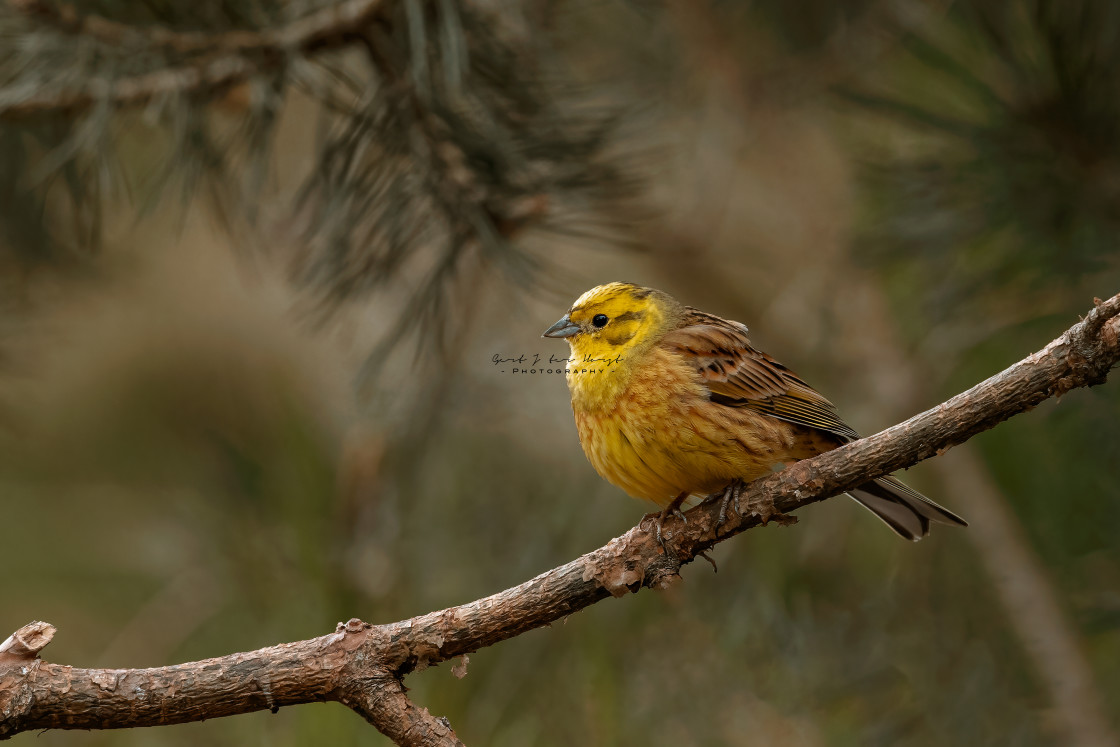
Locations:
column 902, row 508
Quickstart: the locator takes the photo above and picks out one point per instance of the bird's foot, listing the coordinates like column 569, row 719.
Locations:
column 659, row 517
column 729, row 495
column 763, row 508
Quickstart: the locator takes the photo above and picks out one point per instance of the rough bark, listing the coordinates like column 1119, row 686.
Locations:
column 363, row 665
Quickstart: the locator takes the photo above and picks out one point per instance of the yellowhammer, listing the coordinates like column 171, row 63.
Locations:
column 672, row 402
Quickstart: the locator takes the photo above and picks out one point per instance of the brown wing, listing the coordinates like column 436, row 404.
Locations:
column 740, row 376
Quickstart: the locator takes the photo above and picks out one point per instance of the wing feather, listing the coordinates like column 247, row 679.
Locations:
column 738, row 375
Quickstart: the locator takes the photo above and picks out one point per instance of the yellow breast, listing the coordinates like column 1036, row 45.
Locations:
column 649, row 428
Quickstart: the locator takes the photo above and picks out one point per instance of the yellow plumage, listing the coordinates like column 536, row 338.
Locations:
column 659, row 437
column 686, row 405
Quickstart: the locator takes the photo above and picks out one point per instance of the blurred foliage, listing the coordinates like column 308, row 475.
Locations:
column 442, row 132
column 1014, row 179
column 192, row 474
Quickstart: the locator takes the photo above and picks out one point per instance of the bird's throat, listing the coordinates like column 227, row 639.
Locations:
column 598, row 378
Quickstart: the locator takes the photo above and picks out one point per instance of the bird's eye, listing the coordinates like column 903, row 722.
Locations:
column 600, row 320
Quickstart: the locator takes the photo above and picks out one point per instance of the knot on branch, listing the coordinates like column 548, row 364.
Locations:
column 627, row 563
column 1094, row 346
column 24, row 645
column 353, row 626
column 19, row 657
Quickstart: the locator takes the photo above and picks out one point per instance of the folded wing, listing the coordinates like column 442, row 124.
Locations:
column 738, row 375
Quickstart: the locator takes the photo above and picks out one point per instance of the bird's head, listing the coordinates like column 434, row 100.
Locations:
column 614, row 319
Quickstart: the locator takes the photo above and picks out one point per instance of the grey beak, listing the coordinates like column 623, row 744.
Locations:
column 563, row 328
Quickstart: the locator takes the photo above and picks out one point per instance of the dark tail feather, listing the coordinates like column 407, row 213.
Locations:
column 902, row 508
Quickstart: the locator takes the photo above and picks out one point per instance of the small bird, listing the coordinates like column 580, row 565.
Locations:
column 672, row 402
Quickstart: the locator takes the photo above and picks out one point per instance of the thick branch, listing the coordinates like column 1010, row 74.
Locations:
column 361, row 665
column 241, row 54
column 38, row 695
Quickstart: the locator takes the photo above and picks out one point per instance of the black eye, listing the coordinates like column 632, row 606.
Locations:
column 600, row 320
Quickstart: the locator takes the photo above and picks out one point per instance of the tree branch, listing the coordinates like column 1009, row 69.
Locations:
column 321, row 27
column 382, row 702
column 24, row 645
column 241, row 54
column 362, row 665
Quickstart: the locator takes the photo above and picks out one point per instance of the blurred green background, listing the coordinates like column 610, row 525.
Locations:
column 898, row 198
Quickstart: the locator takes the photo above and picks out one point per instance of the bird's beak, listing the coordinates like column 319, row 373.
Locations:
column 563, row 328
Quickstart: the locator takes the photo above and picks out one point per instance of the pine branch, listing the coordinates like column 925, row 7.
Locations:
column 448, row 136
column 362, row 665
column 241, row 54
column 324, row 27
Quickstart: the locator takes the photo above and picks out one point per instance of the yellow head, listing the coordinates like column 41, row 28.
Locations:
column 615, row 319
